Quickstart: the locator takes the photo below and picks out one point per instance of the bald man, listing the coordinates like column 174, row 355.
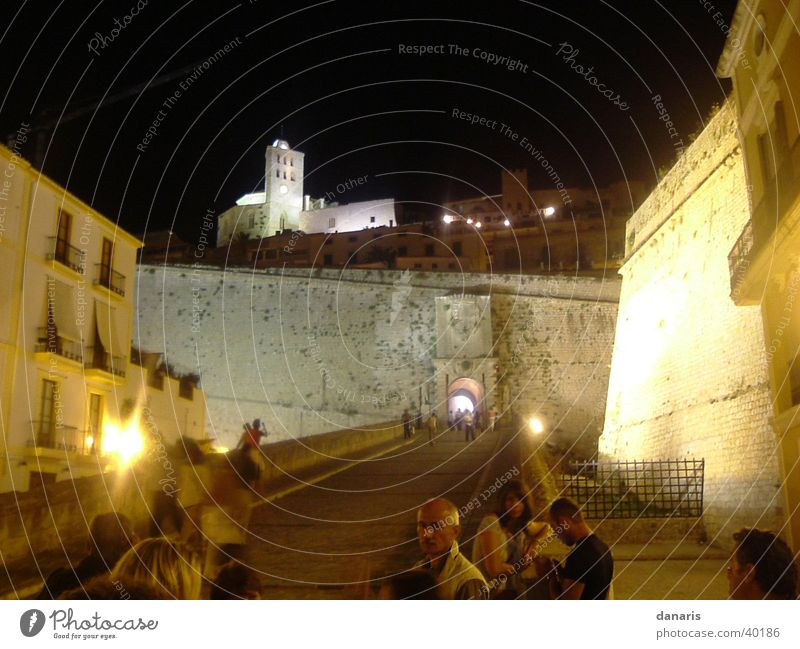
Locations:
column 438, row 527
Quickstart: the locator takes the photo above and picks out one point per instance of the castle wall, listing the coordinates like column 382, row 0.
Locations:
column 313, row 351
column 689, row 375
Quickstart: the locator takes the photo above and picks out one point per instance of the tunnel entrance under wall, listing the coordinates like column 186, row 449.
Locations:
column 465, row 394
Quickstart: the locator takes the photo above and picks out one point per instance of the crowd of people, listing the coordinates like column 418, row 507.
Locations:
column 508, row 561
column 196, row 539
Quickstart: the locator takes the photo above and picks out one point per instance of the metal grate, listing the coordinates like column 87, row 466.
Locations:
column 637, row 489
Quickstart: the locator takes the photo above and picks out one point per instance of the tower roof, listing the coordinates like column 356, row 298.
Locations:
column 281, row 144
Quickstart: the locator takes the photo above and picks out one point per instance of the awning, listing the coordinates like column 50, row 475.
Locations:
column 61, row 301
column 106, row 329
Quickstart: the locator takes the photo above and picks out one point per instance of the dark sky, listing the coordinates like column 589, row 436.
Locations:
column 330, row 75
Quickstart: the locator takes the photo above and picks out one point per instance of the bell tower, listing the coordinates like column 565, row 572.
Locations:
column 283, row 188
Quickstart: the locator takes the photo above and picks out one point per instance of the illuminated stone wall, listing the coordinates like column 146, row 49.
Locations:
column 689, row 375
column 314, row 352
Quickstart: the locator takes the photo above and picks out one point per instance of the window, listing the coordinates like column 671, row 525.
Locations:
column 353, row 256
column 106, row 260
column 46, row 429
column 291, row 176
column 278, row 158
column 271, row 254
column 430, row 250
column 758, row 35
column 251, row 220
column 284, row 175
column 372, row 219
column 277, row 173
column 402, row 251
column 352, row 239
column 93, row 435
column 332, row 222
column 457, row 248
column 155, row 379
column 186, row 387
column 434, row 265
column 63, row 235
column 327, row 260
column 417, row 265
column 291, row 163
column 451, row 265
column 328, row 242
column 765, row 157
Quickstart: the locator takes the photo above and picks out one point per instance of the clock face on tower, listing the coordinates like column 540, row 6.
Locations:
column 283, row 189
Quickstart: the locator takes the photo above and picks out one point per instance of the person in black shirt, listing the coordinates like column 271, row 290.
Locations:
column 589, row 567
column 110, row 536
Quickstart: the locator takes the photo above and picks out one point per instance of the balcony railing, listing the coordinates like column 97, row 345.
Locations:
column 98, row 359
column 49, row 434
column 739, row 257
column 794, row 380
column 49, row 341
column 66, row 254
column 781, row 193
column 110, row 278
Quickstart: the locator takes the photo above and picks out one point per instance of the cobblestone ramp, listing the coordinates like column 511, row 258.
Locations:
column 361, row 523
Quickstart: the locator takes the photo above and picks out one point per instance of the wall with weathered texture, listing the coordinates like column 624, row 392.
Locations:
column 310, row 352
column 689, row 376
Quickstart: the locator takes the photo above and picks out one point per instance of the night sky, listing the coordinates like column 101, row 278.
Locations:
column 331, row 78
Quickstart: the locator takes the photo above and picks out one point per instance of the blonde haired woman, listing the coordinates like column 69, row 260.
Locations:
column 161, row 563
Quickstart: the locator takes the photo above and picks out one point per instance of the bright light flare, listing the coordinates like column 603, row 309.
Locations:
column 126, row 442
column 447, row 218
column 536, row 425
column 477, row 224
column 506, row 223
column 469, row 221
column 549, row 211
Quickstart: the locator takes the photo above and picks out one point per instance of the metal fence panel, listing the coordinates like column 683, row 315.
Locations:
column 636, row 489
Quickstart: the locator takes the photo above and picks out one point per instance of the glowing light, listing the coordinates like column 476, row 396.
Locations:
column 506, row 223
column 460, row 402
column 125, row 442
column 549, row 211
column 477, row 224
column 537, row 427
column 252, row 199
column 220, row 449
column 447, row 218
column 469, row 221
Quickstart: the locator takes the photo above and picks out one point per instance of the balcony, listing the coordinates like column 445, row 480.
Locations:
column 49, row 342
column 767, row 218
column 739, row 258
column 793, row 373
column 54, row 436
column 65, row 254
column 98, row 359
column 110, row 279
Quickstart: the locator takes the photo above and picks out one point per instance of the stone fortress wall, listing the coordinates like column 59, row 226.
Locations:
column 689, row 375
column 313, row 351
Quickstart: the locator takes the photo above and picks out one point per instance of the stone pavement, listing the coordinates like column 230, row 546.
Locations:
column 360, row 524
column 327, row 540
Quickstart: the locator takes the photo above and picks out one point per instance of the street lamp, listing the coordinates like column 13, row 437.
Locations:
column 536, row 425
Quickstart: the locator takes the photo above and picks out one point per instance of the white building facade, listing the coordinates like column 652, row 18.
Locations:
column 66, row 314
column 283, row 206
